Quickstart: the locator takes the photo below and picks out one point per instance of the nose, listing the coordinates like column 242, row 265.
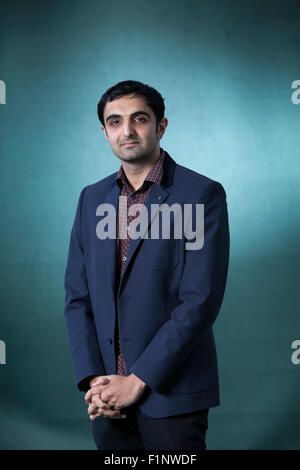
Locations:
column 128, row 130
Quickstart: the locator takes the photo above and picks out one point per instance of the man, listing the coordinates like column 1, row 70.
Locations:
column 140, row 309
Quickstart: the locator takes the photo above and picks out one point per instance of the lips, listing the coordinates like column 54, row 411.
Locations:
column 130, row 143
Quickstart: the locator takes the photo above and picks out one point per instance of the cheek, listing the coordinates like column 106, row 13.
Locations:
column 114, row 142
column 149, row 134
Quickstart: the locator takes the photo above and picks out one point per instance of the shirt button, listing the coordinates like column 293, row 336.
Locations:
column 124, row 258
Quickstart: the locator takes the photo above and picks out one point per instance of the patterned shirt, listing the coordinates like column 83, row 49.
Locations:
column 133, row 197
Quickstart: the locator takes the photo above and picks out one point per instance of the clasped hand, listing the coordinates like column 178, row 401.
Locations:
column 110, row 393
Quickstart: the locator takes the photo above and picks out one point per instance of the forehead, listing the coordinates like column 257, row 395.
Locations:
column 126, row 105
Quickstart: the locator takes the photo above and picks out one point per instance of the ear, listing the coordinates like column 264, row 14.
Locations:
column 162, row 125
column 104, row 130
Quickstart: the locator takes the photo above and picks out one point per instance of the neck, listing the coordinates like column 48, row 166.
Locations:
column 136, row 172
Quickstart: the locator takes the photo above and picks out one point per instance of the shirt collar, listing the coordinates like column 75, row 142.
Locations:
column 154, row 175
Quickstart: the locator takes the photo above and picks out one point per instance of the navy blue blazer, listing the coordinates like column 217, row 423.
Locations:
column 167, row 300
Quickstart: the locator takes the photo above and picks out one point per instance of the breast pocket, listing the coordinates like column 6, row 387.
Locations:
column 161, row 254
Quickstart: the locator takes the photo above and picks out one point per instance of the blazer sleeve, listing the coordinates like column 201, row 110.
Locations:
column 85, row 351
column 201, row 293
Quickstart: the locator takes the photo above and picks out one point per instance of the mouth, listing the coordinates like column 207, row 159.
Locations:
column 127, row 144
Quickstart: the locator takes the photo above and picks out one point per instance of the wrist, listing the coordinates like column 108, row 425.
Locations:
column 137, row 381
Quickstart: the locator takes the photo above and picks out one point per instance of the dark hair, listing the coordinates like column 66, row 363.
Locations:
column 152, row 97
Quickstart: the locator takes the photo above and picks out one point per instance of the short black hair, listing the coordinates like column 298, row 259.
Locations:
column 152, row 97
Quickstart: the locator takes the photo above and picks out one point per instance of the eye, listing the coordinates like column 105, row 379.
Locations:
column 112, row 123
column 141, row 119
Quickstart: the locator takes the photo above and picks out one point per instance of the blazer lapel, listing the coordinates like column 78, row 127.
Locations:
column 110, row 246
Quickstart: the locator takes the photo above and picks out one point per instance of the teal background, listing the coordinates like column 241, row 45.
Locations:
column 225, row 69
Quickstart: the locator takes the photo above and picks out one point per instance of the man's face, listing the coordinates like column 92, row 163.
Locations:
column 131, row 128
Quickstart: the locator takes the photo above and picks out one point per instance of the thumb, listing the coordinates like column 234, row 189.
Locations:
column 101, row 381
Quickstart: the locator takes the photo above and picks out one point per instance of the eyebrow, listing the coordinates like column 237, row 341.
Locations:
column 111, row 116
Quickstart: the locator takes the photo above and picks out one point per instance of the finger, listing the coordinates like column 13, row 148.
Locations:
column 98, row 404
column 94, row 408
column 101, row 381
column 93, row 391
column 108, row 414
column 95, row 397
column 99, row 408
column 101, row 411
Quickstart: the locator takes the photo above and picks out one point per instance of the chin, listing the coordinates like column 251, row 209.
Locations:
column 131, row 155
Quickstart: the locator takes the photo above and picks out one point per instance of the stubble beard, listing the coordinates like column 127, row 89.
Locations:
column 138, row 155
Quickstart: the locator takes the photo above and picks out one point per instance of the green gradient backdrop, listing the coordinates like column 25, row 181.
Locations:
column 225, row 69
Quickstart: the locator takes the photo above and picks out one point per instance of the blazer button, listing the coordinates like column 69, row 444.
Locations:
column 109, row 340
